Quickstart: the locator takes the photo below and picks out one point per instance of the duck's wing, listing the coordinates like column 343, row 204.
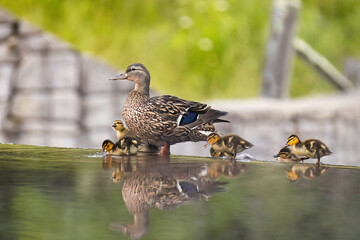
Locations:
column 185, row 113
column 317, row 147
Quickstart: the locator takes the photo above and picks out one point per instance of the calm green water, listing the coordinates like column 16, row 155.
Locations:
column 54, row 193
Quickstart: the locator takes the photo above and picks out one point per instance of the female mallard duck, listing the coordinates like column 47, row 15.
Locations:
column 122, row 131
column 164, row 120
column 310, row 148
column 228, row 145
column 125, row 146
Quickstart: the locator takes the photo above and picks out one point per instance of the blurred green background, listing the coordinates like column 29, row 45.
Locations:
column 197, row 49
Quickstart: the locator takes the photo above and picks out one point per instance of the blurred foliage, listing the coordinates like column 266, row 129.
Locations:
column 197, row 49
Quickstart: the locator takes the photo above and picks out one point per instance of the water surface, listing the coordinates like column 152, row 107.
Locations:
column 57, row 193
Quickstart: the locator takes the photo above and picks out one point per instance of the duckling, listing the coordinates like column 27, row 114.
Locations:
column 228, row 145
column 121, row 131
column 130, row 145
column 285, row 155
column 148, row 148
column 310, row 148
column 125, row 146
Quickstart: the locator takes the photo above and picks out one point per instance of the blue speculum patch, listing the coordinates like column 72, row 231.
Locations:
column 189, row 118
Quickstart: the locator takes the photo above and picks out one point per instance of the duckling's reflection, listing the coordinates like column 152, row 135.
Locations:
column 228, row 169
column 160, row 184
column 306, row 171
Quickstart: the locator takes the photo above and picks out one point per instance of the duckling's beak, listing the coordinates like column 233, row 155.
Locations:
column 114, row 125
column 206, row 145
column 119, row 76
column 276, row 155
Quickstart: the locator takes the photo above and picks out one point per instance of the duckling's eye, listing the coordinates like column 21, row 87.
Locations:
column 133, row 69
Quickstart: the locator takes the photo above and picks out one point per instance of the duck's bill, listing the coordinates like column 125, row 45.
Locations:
column 119, row 77
column 276, row 155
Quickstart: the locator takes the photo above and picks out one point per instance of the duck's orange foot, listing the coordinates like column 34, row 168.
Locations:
column 165, row 151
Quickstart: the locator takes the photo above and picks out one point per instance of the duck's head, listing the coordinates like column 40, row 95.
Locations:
column 138, row 74
column 292, row 140
column 285, row 152
column 107, row 145
column 118, row 125
column 212, row 139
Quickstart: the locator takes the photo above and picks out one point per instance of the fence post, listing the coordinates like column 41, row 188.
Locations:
column 352, row 70
column 280, row 52
column 321, row 65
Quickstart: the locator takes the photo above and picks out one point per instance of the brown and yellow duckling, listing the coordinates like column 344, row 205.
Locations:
column 121, row 130
column 125, row 146
column 227, row 145
column 285, row 155
column 310, row 148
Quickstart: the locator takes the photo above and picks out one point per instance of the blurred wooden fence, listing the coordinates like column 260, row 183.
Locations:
column 283, row 44
column 51, row 94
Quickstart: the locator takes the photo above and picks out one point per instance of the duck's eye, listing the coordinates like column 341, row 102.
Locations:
column 133, row 69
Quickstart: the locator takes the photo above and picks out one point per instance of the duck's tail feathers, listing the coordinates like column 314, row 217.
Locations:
column 221, row 121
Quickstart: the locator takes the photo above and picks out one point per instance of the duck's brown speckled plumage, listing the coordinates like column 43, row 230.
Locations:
column 156, row 120
column 158, row 116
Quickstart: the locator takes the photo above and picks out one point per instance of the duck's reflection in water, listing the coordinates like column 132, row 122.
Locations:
column 155, row 182
column 306, row 171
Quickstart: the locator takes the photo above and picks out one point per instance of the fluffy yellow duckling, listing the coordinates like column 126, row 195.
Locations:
column 121, row 131
column 310, row 148
column 227, row 145
column 125, row 146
